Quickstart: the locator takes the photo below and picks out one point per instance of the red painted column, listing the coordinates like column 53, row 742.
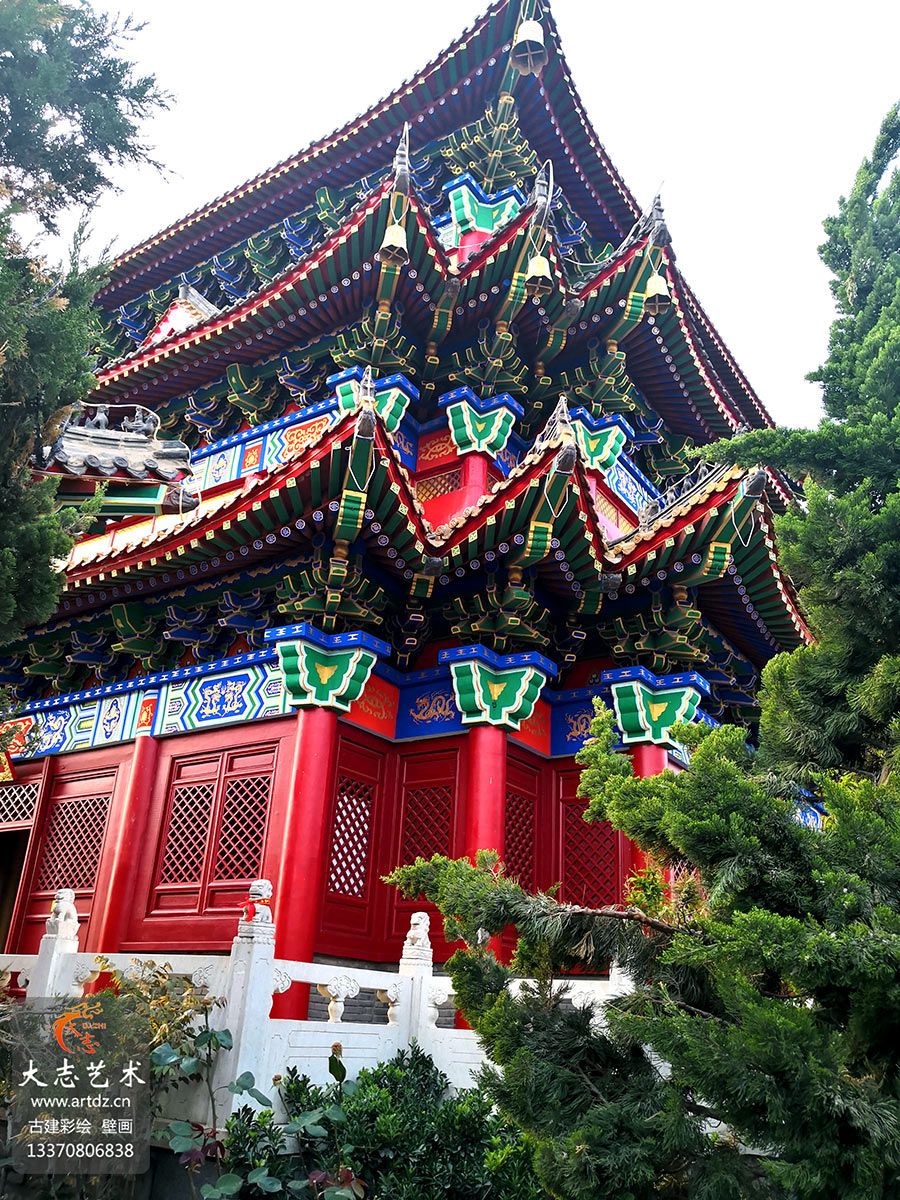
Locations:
column 486, row 790
column 123, row 848
column 473, row 479
column 646, row 759
column 485, row 805
column 297, row 902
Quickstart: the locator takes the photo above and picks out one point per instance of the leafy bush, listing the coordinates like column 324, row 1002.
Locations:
column 396, row 1131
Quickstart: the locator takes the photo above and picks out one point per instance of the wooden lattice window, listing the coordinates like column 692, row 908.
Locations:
column 438, row 485
column 427, row 814
column 349, row 865
column 214, row 827
column 186, row 836
column 519, row 852
column 590, row 859
column 72, row 843
column 17, row 803
column 244, row 812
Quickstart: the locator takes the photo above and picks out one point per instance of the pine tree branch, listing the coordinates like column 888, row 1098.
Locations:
column 619, row 913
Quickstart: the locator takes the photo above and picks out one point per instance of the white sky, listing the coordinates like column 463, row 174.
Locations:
column 754, row 117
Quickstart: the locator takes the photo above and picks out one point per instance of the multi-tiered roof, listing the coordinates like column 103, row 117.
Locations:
column 442, row 379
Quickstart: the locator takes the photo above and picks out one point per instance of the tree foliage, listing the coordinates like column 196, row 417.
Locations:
column 837, row 704
column 70, row 105
column 756, row 1053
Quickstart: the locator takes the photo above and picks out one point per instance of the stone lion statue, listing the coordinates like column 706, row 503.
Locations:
column 255, row 922
column 63, row 919
column 417, row 945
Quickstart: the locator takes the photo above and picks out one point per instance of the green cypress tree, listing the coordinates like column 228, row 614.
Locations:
column 756, row 1052
column 838, row 703
column 71, row 106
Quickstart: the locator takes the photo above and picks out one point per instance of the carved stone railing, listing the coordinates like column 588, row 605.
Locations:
column 416, row 999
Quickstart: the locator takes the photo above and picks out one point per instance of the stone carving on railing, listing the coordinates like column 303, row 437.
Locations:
column 255, row 924
column 281, row 981
column 438, row 995
column 85, row 973
column 63, row 919
column 391, row 997
column 417, row 946
column 339, row 990
column 203, row 976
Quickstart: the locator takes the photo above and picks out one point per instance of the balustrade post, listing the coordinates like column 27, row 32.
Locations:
column 248, row 991
column 417, row 964
column 54, row 972
column 323, row 675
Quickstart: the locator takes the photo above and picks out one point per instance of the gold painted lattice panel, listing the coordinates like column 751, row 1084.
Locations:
column 438, row 485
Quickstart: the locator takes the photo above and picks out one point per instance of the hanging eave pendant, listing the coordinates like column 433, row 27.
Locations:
column 394, row 250
column 529, row 54
column 539, row 279
column 657, row 298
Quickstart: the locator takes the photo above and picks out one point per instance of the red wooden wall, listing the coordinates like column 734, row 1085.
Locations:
column 214, row 818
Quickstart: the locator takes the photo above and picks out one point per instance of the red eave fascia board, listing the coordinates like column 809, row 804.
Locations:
column 512, row 488
column 498, row 242
column 259, row 493
column 585, row 502
column 250, row 306
column 313, row 151
column 611, row 268
column 397, row 475
column 715, row 499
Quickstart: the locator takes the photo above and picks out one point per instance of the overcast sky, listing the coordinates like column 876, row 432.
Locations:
column 753, row 117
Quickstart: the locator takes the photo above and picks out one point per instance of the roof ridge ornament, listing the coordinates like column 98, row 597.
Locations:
column 656, row 223
column 558, row 427
column 401, row 163
column 365, row 390
column 394, row 249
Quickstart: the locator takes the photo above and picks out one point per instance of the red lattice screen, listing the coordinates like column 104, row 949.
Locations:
column 242, row 828
column 590, row 859
column 349, row 865
column 519, row 855
column 72, row 843
column 187, row 832
column 17, row 801
column 427, row 813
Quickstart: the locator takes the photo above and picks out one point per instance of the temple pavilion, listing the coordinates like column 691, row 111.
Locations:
column 399, row 444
